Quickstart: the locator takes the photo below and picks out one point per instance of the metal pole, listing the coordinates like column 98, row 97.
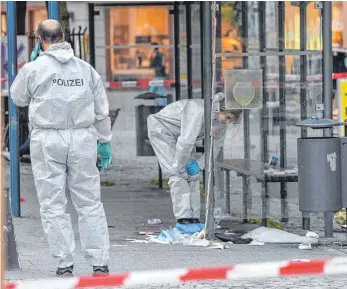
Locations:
column 189, row 50
column 282, row 108
column 13, row 110
column 303, row 101
column 246, row 125
column 91, row 22
column 207, row 77
column 177, row 50
column 53, row 10
column 327, row 89
column 264, row 123
column 202, row 72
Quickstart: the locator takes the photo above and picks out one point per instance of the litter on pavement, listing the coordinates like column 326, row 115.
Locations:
column 154, row 221
column 275, row 236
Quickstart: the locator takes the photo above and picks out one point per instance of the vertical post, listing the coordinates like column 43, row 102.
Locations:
column 303, row 101
column 264, row 123
column 219, row 173
column 202, row 72
column 91, row 23
column 189, row 50
column 282, row 108
column 207, row 93
column 246, row 124
column 13, row 110
column 327, row 89
column 2, row 215
column 53, row 10
column 177, row 50
column 160, row 177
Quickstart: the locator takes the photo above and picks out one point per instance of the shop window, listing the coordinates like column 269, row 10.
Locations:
column 132, row 31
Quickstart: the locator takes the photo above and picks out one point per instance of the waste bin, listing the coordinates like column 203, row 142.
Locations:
column 155, row 103
column 319, row 169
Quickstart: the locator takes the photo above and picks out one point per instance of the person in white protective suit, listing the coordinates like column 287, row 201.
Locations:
column 173, row 132
column 68, row 112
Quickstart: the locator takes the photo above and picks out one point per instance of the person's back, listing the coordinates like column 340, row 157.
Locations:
column 186, row 111
column 59, row 81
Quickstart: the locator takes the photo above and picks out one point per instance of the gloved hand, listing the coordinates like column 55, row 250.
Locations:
column 192, row 168
column 104, row 150
column 36, row 51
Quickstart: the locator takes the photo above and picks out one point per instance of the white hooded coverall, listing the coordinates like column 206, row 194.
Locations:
column 173, row 132
column 68, row 111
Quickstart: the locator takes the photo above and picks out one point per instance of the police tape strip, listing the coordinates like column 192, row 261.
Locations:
column 332, row 266
column 291, row 80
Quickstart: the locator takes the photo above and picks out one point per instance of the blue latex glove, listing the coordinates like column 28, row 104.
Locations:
column 104, row 150
column 36, row 51
column 189, row 229
column 192, row 168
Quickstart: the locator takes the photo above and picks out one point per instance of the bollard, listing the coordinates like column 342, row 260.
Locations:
column 12, row 261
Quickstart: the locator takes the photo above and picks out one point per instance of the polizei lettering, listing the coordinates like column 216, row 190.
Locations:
column 67, row 82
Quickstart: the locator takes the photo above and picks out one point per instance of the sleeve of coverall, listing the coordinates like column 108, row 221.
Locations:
column 19, row 90
column 191, row 124
column 218, row 144
column 102, row 121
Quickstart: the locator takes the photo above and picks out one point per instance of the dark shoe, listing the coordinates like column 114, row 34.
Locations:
column 185, row 221
column 65, row 272
column 100, row 271
column 195, row 221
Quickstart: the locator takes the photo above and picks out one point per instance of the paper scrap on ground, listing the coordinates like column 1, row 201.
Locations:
column 221, row 246
column 273, row 236
column 305, row 247
column 256, row 243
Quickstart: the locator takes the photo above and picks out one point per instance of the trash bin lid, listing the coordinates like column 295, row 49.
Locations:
column 319, row 123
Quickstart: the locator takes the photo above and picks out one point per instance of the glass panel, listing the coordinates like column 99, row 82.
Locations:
column 271, row 24
column 337, row 23
column 196, row 50
column 314, row 30
column 234, row 145
column 292, row 25
column 132, row 32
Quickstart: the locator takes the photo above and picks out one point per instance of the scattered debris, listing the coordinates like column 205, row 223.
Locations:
column 108, row 183
column 148, row 233
column 138, row 241
column 221, row 246
column 305, row 247
column 154, row 221
column 232, row 238
column 340, row 218
column 274, row 236
column 196, row 242
column 256, row 243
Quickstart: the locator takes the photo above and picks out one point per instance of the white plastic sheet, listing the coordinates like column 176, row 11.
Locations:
column 274, row 236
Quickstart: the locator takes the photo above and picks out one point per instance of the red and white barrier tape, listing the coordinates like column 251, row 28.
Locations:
column 243, row 271
column 291, row 80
